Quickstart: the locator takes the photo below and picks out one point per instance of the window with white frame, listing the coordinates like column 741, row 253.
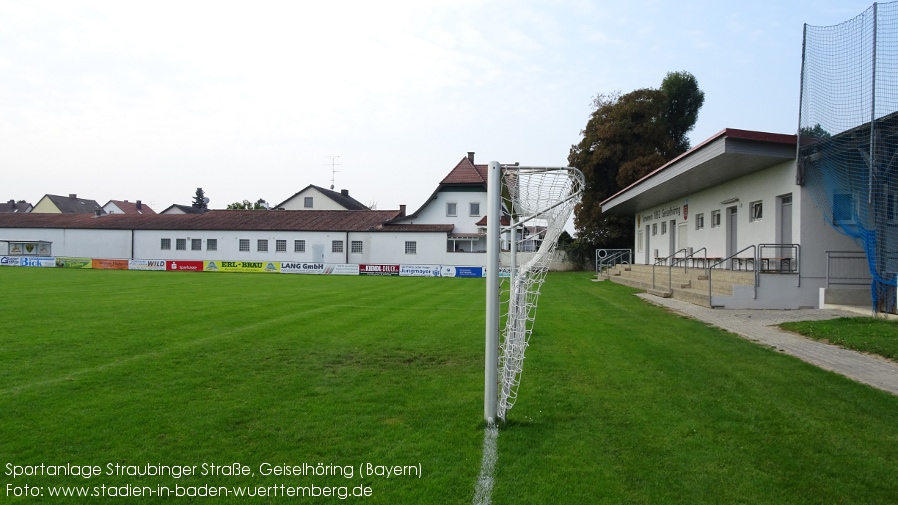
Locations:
column 663, row 227
column 640, row 238
column 715, row 218
column 307, row 202
column 337, row 246
column 196, row 244
column 299, row 246
column 211, row 244
column 262, row 245
column 699, row 221
column 654, row 229
column 280, row 246
column 451, row 209
column 475, row 208
column 244, row 245
column 181, row 244
column 411, row 247
column 756, row 210
column 356, row 247
column 165, row 244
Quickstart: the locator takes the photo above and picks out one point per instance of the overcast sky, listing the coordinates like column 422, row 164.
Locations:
column 150, row 100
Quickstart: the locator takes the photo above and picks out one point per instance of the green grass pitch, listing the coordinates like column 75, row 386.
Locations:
column 620, row 402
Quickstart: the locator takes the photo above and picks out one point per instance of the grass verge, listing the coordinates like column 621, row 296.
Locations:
column 864, row 334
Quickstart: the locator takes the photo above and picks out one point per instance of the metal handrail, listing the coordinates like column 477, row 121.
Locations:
column 754, row 267
column 685, row 268
column 610, row 257
column 794, row 264
column 663, row 259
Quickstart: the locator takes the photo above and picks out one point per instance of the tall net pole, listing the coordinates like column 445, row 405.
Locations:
column 493, row 226
column 537, row 201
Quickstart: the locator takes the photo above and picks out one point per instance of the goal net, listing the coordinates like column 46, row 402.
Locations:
column 535, row 204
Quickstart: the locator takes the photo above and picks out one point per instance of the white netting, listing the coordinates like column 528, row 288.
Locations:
column 538, row 202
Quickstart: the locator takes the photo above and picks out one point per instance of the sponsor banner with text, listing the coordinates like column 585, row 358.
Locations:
column 107, row 264
column 27, row 261
column 366, row 269
column 299, row 267
column 10, row 261
column 184, row 266
column 242, row 266
column 451, row 271
column 63, row 262
column 419, row 270
column 146, row 265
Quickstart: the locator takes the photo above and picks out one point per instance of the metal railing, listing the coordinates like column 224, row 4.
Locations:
column 665, row 260
column 847, row 268
column 607, row 258
column 754, row 249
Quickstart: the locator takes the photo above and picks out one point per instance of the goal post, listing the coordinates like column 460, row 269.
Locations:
column 537, row 203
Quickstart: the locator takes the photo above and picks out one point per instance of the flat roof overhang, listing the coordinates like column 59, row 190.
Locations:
column 727, row 156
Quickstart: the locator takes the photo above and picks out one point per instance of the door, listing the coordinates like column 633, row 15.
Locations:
column 732, row 243
column 785, row 234
column 672, row 226
column 648, row 244
column 318, row 253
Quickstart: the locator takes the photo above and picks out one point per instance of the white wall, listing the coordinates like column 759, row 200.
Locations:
column 434, row 212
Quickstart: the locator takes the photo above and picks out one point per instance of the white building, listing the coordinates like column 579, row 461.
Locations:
column 734, row 198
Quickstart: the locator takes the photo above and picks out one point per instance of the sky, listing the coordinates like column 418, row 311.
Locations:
column 148, row 101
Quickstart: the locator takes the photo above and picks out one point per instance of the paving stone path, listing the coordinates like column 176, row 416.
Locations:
column 760, row 326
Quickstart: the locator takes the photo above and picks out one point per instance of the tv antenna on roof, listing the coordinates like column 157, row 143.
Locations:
column 334, row 170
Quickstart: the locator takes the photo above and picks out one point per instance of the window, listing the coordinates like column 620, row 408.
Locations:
column 196, row 244
column 166, row 244
column 262, row 245
column 307, row 202
column 699, row 221
column 475, row 208
column 211, row 244
column 654, row 229
column 244, row 244
column 451, row 209
column 715, row 219
column 411, row 247
column 280, row 245
column 337, row 246
column 181, row 244
column 299, row 246
column 663, row 227
column 356, row 247
column 843, row 207
column 757, row 211
column 639, row 240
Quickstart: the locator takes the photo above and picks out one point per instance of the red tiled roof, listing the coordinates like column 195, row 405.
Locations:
column 466, row 172
column 504, row 221
column 131, row 207
column 249, row 220
column 441, row 228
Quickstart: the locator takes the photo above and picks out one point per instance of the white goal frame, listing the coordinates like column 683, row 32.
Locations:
column 495, row 181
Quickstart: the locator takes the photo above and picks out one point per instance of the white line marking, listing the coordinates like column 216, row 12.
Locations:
column 484, row 490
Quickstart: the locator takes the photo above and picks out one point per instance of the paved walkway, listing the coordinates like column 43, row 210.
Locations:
column 759, row 326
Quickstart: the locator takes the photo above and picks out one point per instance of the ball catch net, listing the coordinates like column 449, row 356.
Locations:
column 537, row 203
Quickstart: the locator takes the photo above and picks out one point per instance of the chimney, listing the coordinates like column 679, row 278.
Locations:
column 402, row 211
column 344, row 192
column 471, row 156
column 138, row 204
column 73, row 195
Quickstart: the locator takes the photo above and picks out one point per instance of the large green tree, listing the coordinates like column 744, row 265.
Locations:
column 259, row 204
column 626, row 137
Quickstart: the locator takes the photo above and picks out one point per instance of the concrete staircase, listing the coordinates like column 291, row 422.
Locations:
column 689, row 284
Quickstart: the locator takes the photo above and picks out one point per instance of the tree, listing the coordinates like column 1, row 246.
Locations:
column 684, row 99
column 627, row 137
column 199, row 199
column 259, row 204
